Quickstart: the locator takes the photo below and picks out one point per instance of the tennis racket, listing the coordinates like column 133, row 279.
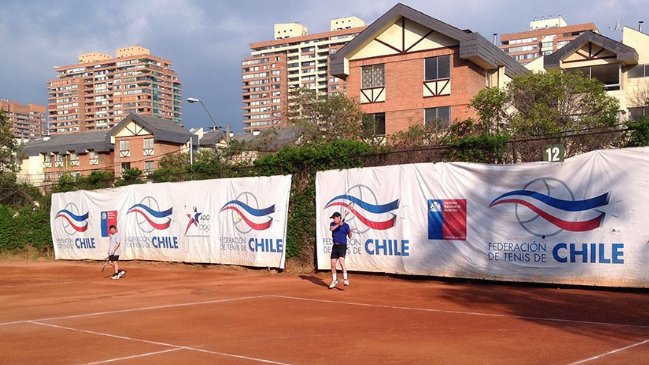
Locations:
column 105, row 262
column 348, row 209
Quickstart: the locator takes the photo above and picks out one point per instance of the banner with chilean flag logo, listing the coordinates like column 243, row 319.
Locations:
column 239, row 221
column 580, row 222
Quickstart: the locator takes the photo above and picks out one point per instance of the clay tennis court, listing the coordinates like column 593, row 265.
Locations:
column 71, row 313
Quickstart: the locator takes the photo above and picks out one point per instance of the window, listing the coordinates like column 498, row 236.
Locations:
column 148, row 147
column 58, row 160
column 47, row 160
column 373, row 76
column 74, row 159
column 124, row 148
column 125, row 166
column 438, row 68
column 93, row 159
column 148, row 167
column 374, row 125
column 437, row 117
column 639, row 71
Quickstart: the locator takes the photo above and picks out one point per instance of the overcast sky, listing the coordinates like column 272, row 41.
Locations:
column 207, row 39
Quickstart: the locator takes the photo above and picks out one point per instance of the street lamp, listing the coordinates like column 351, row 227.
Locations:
column 196, row 100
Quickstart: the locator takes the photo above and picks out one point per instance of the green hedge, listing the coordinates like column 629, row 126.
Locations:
column 21, row 228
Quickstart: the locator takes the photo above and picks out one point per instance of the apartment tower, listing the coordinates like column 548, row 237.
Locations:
column 27, row 120
column 100, row 90
column 293, row 59
column 544, row 37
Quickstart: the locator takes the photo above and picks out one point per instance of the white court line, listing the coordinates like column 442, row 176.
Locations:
column 134, row 309
column 465, row 313
column 608, row 353
column 160, row 343
column 131, row 357
column 46, row 284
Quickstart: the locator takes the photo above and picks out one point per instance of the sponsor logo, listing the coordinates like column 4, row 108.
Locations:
column 72, row 220
column 447, row 219
column 246, row 214
column 149, row 215
column 547, row 206
column 199, row 221
column 108, row 218
column 361, row 202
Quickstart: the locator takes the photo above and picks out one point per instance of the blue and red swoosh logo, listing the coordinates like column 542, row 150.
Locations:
column 157, row 219
column 556, row 210
column 78, row 222
column 351, row 203
column 251, row 215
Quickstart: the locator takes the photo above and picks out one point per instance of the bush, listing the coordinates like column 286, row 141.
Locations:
column 24, row 227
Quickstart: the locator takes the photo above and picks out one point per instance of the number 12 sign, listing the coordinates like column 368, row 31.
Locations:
column 554, row 153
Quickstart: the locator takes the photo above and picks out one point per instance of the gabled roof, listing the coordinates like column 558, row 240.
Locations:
column 211, row 138
column 81, row 142
column 162, row 129
column 625, row 54
column 473, row 46
column 274, row 139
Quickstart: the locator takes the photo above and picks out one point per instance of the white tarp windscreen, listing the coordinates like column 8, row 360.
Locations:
column 583, row 221
column 227, row 221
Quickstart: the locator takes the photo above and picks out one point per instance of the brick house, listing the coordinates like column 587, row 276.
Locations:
column 141, row 141
column 408, row 68
column 135, row 142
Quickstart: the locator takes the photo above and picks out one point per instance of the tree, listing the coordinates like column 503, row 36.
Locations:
column 326, row 117
column 491, row 104
column 8, row 146
column 544, row 108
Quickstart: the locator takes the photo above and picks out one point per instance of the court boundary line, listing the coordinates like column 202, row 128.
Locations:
column 178, row 347
column 134, row 309
column 328, row 301
column 602, row 355
column 131, row 357
column 482, row 314
column 431, row 310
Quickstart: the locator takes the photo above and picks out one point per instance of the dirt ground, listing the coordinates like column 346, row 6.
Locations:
column 63, row 312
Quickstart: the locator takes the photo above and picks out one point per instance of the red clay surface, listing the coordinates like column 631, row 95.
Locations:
column 71, row 313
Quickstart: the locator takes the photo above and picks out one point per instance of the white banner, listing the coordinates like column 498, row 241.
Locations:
column 581, row 221
column 226, row 221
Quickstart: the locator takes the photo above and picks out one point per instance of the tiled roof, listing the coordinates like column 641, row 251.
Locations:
column 73, row 142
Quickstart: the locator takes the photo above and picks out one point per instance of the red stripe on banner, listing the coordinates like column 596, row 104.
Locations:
column 580, row 226
column 251, row 224
column 153, row 224
column 371, row 224
column 76, row 228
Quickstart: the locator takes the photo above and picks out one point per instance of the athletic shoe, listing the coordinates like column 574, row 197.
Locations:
column 346, row 282
column 115, row 276
column 333, row 284
column 121, row 273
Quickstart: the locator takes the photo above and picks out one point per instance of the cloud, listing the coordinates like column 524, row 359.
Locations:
column 207, row 39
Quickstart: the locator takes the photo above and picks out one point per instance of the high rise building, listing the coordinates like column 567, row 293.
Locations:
column 544, row 37
column 294, row 59
column 27, row 120
column 101, row 90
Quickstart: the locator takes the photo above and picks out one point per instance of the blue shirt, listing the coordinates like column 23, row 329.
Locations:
column 339, row 234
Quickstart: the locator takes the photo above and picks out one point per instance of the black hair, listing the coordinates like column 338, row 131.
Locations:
column 112, row 226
